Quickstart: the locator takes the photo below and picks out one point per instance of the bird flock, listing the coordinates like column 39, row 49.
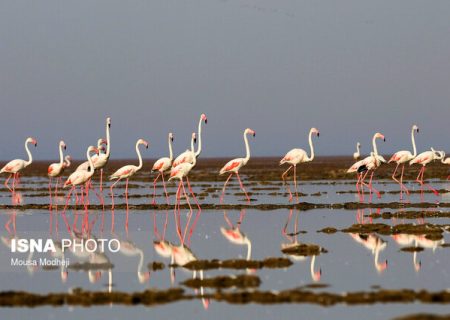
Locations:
column 180, row 167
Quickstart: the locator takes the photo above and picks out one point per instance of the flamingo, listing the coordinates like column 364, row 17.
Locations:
column 375, row 244
column 162, row 165
column 367, row 164
column 357, row 154
column 126, row 172
column 189, row 155
column 401, row 157
column 425, row 158
column 445, row 161
column 80, row 177
column 104, row 157
column 55, row 170
column 179, row 172
column 234, row 165
column 15, row 166
column 85, row 165
column 296, row 156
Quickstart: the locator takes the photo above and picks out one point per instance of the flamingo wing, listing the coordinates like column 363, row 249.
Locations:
column 232, row 165
column 13, row 166
column 187, row 156
column 124, row 172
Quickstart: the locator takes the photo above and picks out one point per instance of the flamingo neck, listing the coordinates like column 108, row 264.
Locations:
column 249, row 249
column 170, row 149
column 108, row 141
column 61, row 157
column 199, row 150
column 91, row 164
column 311, row 158
column 374, row 145
column 313, row 261
column 357, row 148
column 139, row 156
column 413, row 143
column 247, row 148
column 67, row 161
column 141, row 261
column 192, row 145
column 30, row 157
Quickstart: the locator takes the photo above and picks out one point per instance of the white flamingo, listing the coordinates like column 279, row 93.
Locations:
column 296, row 156
column 425, row 158
column 233, row 166
column 15, row 166
column 126, row 172
column 162, row 165
column 402, row 157
column 357, row 154
column 189, row 155
column 55, row 170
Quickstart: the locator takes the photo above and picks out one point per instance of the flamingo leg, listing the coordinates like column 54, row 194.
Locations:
column 112, row 193
column 396, row 180
column 295, row 182
column 50, row 192
column 68, row 197
column 165, row 189
column 283, row 177
column 224, row 186
column 401, row 181
column 362, row 183
column 154, row 187
column 188, row 222
column 436, row 193
column 166, row 222
column 193, row 194
column 6, row 182
column 176, row 217
column 371, row 186
column 101, row 180
column 99, row 196
column 58, row 182
column 242, row 187
column 126, row 201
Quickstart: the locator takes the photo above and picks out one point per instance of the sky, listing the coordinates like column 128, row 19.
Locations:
column 349, row 68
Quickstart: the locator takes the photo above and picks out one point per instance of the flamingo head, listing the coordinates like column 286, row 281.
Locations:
column 315, row 131
column 415, row 128
column 250, row 131
column 194, row 137
column 32, row 140
column 144, row 276
column 171, row 136
column 62, row 144
column 359, row 144
column 64, row 276
column 142, row 141
column 317, row 275
column 379, row 136
column 203, row 117
column 108, row 122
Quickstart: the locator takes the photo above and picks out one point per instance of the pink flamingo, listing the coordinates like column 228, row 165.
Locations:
column 189, row 155
column 79, row 177
column 367, row 164
column 179, row 172
column 296, row 156
column 126, row 172
column 233, row 166
column 162, row 165
column 401, row 157
column 425, row 158
column 15, row 166
column 55, row 170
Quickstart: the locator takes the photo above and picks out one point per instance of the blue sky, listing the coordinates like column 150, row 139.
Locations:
column 349, row 68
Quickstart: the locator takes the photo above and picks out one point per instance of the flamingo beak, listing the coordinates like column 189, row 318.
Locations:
column 384, row 139
column 206, row 121
column 417, row 130
column 171, row 139
column 318, row 134
column 195, row 140
column 65, row 147
column 254, row 133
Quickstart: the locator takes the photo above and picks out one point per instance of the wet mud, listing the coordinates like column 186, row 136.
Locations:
column 222, row 282
column 271, row 263
column 303, row 249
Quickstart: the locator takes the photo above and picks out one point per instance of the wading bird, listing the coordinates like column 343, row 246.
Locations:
column 15, row 166
column 296, row 156
column 80, row 177
column 445, row 161
column 163, row 165
column 188, row 155
column 402, row 157
column 55, row 170
column 233, row 166
column 125, row 173
column 365, row 165
column 425, row 158
column 357, row 154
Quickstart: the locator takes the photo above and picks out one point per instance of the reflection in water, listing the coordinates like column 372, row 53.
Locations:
column 371, row 241
column 293, row 242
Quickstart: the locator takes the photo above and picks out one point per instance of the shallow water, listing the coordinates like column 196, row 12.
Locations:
column 352, row 262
